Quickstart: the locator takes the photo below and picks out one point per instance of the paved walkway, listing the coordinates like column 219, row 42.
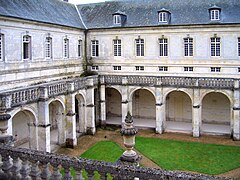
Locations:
column 85, row 142
column 173, row 126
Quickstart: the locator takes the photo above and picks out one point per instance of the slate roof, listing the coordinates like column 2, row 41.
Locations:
column 47, row 11
column 141, row 13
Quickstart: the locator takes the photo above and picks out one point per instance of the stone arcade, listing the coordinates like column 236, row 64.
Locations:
column 173, row 65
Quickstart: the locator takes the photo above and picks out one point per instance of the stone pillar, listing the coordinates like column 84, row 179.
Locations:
column 43, row 121
column 196, row 113
column 160, row 109
column 90, row 112
column 71, row 139
column 236, row 112
column 33, row 131
column 102, row 102
column 125, row 99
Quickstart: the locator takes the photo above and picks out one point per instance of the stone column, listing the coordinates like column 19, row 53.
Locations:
column 236, row 112
column 125, row 99
column 71, row 138
column 43, row 121
column 160, row 109
column 33, row 142
column 196, row 113
column 102, row 102
column 91, row 128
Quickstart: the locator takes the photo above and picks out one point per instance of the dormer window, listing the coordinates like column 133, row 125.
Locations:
column 215, row 13
column 163, row 16
column 117, row 19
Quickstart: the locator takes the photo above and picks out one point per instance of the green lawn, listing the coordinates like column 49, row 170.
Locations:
column 104, row 151
column 198, row 157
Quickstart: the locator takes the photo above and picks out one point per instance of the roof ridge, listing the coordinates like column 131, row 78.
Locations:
column 80, row 16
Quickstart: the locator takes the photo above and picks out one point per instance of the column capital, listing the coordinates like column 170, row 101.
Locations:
column 159, row 104
column 196, row 106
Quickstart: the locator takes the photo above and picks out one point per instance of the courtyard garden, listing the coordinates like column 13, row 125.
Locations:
column 201, row 157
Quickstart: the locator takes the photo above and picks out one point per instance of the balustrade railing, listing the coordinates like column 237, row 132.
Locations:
column 21, row 96
column 18, row 163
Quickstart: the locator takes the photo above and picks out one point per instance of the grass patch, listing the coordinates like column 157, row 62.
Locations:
column 104, row 151
column 198, row 157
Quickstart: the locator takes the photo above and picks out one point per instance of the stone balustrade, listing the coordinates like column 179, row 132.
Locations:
column 18, row 163
column 31, row 94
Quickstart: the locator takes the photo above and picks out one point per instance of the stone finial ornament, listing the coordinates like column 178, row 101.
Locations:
column 128, row 132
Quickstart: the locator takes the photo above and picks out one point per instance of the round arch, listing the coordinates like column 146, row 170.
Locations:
column 113, row 106
column 216, row 113
column 26, row 109
column 54, row 100
column 143, row 88
column 80, row 110
column 24, row 135
column 177, row 90
column 56, row 119
column 214, row 91
column 143, row 103
column 178, row 109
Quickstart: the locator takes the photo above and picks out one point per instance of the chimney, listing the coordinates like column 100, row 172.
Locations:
column 65, row 0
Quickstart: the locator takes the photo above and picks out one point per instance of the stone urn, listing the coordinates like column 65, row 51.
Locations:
column 128, row 132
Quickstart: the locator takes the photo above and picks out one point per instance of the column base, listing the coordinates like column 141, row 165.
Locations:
column 103, row 123
column 70, row 143
column 129, row 160
column 236, row 137
column 91, row 130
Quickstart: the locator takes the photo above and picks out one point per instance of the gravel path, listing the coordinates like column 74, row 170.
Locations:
column 85, row 142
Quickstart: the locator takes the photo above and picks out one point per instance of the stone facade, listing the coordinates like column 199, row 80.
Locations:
column 46, row 97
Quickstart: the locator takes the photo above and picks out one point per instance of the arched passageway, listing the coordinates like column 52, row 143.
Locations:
column 113, row 106
column 80, row 114
column 22, row 131
column 178, row 112
column 144, row 109
column 56, row 119
column 216, row 114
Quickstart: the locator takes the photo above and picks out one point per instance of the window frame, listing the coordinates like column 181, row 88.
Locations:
column 163, row 47
column 215, row 69
column 215, row 14
column 139, row 47
column 79, row 48
column 26, row 47
column 163, row 16
column 66, row 48
column 48, row 48
column 95, row 68
column 2, row 52
column 188, row 68
column 117, row 19
column 117, row 68
column 95, row 48
column 188, row 46
column 117, row 47
column 139, row 68
column 238, row 46
column 215, row 46
column 162, row 68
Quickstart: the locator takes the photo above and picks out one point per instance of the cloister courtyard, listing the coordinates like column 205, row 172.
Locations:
column 112, row 133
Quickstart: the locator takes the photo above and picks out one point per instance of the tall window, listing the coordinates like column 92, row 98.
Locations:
column 117, row 19
column 26, row 47
column 95, row 48
column 139, row 47
column 188, row 46
column 239, row 46
column 48, row 47
column 163, row 45
column 215, row 46
column 66, row 48
column 1, row 47
column 79, row 48
column 215, row 14
column 117, row 47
